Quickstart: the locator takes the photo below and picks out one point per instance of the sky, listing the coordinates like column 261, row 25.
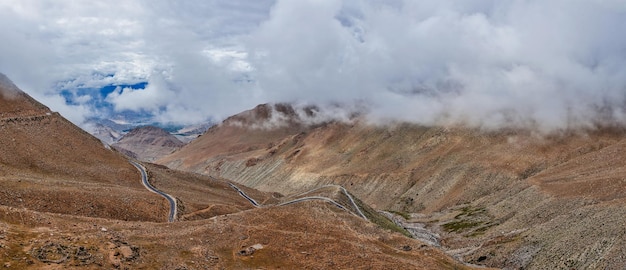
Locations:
column 483, row 63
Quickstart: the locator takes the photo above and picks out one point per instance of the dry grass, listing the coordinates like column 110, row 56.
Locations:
column 310, row 235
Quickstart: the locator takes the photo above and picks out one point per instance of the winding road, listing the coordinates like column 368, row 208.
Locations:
column 172, row 200
column 144, row 181
column 243, row 194
column 310, row 198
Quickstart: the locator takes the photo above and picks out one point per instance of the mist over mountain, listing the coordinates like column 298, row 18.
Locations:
column 497, row 198
column 7, row 88
column 481, row 63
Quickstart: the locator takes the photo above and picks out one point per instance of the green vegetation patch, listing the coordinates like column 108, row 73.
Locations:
column 460, row 225
column 379, row 219
column 482, row 230
column 473, row 221
column 405, row 215
column 469, row 211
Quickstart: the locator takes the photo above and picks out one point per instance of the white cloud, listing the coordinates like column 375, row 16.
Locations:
column 482, row 63
column 488, row 63
column 155, row 96
column 74, row 113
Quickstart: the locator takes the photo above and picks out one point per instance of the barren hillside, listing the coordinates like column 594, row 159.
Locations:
column 507, row 198
column 48, row 164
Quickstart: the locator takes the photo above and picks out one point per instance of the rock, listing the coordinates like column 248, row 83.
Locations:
column 103, row 229
column 52, row 253
column 83, row 256
column 126, row 252
column 250, row 250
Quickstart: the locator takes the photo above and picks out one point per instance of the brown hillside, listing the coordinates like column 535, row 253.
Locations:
column 48, row 164
column 302, row 236
column 275, row 121
column 509, row 198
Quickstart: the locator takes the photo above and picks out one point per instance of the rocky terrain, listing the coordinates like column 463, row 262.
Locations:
column 515, row 199
column 311, row 235
column 68, row 201
column 147, row 143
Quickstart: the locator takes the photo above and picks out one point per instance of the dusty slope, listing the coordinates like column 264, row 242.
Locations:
column 48, row 164
column 148, row 143
column 505, row 199
column 304, row 236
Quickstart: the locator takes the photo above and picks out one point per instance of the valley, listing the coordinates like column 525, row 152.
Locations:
column 70, row 201
column 278, row 134
column 275, row 187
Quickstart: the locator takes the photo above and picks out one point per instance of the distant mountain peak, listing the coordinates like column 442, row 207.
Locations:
column 148, row 143
column 151, row 130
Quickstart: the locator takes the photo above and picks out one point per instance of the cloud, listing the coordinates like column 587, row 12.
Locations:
column 550, row 64
column 74, row 113
column 54, row 46
column 483, row 63
column 155, row 96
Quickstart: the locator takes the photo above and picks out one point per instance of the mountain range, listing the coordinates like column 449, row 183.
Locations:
column 70, row 201
column 507, row 198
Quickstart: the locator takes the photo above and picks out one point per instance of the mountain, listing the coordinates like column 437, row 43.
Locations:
column 189, row 133
column 148, row 143
column 105, row 133
column 248, row 131
column 68, row 201
column 110, row 131
column 48, row 164
column 507, row 198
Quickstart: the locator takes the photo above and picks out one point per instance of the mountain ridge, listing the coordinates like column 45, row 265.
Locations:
column 468, row 185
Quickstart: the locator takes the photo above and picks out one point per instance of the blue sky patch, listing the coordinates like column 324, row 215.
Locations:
column 97, row 100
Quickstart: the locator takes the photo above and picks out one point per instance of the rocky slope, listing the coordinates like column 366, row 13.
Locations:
column 507, row 198
column 148, row 143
